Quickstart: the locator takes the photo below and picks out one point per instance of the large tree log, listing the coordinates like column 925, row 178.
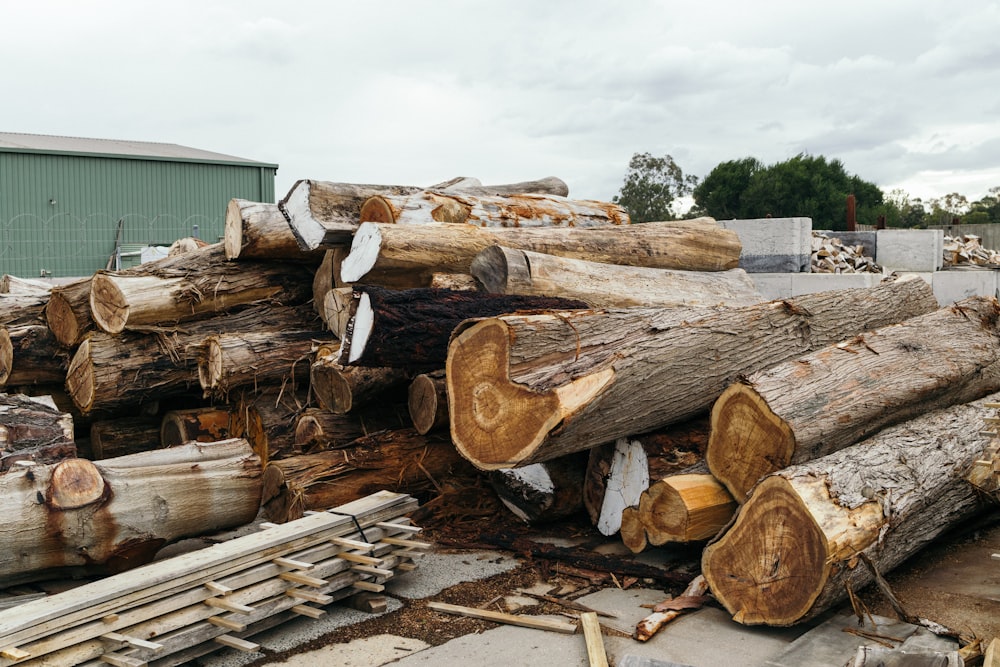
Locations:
column 317, row 429
column 33, row 429
column 68, row 312
column 82, row 517
column 266, row 418
column 260, row 231
column 30, row 354
column 542, row 492
column 112, row 438
column 227, row 361
column 503, row 270
column 400, row 460
column 22, row 309
column 528, row 388
column 386, row 253
column 23, row 286
column 325, row 214
column 821, row 402
column 411, row 328
column 520, row 210
column 341, row 389
column 191, row 286
column 793, row 550
column 684, row 508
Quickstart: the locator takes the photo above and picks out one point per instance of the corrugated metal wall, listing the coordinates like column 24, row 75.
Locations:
column 61, row 213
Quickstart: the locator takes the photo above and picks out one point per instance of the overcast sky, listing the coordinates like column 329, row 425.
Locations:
column 905, row 94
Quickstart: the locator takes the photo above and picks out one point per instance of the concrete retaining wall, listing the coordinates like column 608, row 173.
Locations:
column 773, row 244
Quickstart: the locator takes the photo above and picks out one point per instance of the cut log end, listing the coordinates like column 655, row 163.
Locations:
column 423, row 404
column 685, row 508
column 210, row 367
column 80, row 383
column 633, row 532
column 770, row 566
column 75, row 483
column 747, row 441
column 376, row 209
column 6, row 356
column 233, row 233
column 62, row 320
column 496, row 423
column 364, row 252
column 108, row 305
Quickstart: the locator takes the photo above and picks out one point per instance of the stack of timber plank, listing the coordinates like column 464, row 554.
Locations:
column 171, row 611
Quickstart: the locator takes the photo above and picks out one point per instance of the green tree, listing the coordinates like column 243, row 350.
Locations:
column 720, row 193
column 985, row 210
column 652, row 185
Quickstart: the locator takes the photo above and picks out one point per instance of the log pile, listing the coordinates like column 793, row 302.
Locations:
column 832, row 255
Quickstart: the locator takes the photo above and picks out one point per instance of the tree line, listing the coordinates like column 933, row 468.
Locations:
column 803, row 186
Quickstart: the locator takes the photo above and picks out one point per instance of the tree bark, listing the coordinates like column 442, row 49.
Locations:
column 23, row 286
column 195, row 425
column 22, row 309
column 266, row 418
column 112, row 438
column 30, row 354
column 384, row 253
column 68, row 312
column 327, row 279
column 631, row 463
column 191, row 286
column 793, row 550
column 325, row 214
column 33, row 429
column 428, row 402
column 506, row 271
column 410, row 329
column 401, row 461
column 318, row 429
column 516, row 210
column 230, row 360
column 260, row 231
column 821, row 402
column 116, row 514
column 529, row 388
column 685, row 508
column 542, row 492
column 341, row 389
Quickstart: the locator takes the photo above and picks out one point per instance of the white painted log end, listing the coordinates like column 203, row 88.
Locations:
column 364, row 320
column 627, row 479
column 295, row 206
column 364, row 252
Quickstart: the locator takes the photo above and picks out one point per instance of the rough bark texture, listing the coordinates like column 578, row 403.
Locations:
column 410, row 329
column 68, row 312
column 793, row 550
column 22, row 309
column 33, row 429
column 129, row 435
column 428, row 402
column 260, row 231
column 402, row 461
column 325, row 214
column 685, row 508
column 529, row 388
column 821, row 402
column 23, row 287
column 116, row 514
column 30, row 354
column 195, row 425
column 518, row 210
column 341, row 389
column 266, row 418
column 191, row 286
column 317, row 429
column 227, row 361
column 504, row 270
column 542, row 492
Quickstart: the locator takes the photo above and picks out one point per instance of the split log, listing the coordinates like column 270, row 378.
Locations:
column 22, row 309
column 821, row 402
column 327, row 279
column 506, row 271
column 325, row 214
column 794, row 549
column 33, row 429
column 229, row 360
column 341, row 389
column 427, row 401
column 685, row 508
column 111, row 438
column 411, row 328
column 23, row 286
column 68, row 312
column 529, row 388
column 195, row 425
column 394, row 460
column 116, row 514
column 191, row 286
column 516, row 210
column 259, row 231
column 30, row 354
column 317, row 429
column 542, row 492
column 337, row 310
column 644, row 458
column 386, row 254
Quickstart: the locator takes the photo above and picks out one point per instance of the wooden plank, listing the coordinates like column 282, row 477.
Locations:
column 237, row 643
column 306, row 610
column 303, row 579
column 137, row 642
column 368, row 586
column 377, row 571
column 227, row 623
column 229, row 605
column 14, row 653
column 508, row 619
column 292, row 563
column 411, row 544
column 308, row 596
column 991, row 657
column 122, row 660
column 217, row 588
column 596, row 654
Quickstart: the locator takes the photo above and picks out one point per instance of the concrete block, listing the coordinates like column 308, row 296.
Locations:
column 910, row 249
column 773, row 285
column 957, row 284
column 772, row 245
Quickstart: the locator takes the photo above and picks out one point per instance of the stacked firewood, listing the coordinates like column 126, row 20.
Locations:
column 831, row 255
column 968, row 250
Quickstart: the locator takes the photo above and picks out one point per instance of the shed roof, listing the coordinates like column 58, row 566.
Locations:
column 13, row 142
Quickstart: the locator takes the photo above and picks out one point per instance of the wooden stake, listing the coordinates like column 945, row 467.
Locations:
column 596, row 653
column 508, row 619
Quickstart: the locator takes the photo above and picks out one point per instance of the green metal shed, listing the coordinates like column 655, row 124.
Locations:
column 68, row 205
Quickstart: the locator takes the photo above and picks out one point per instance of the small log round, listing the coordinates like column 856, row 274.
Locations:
column 633, row 531
column 428, row 402
column 685, row 508
column 68, row 312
